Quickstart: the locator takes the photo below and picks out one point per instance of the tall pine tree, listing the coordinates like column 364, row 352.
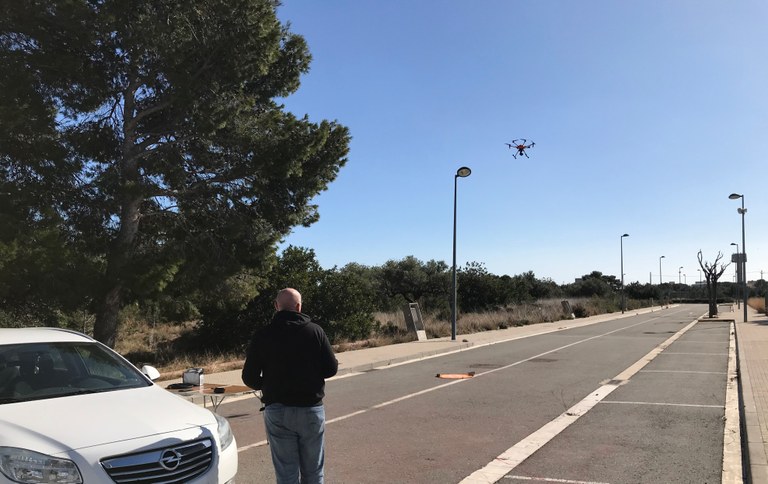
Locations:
column 149, row 133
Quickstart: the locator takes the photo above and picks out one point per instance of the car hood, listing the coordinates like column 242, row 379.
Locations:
column 70, row 423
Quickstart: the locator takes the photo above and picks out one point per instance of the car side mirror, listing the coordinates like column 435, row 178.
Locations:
column 150, row 372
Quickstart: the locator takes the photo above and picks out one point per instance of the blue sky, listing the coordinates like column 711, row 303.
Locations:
column 646, row 115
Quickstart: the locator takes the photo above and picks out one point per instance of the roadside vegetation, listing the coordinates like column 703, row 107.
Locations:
column 166, row 345
column 358, row 306
column 757, row 303
column 362, row 307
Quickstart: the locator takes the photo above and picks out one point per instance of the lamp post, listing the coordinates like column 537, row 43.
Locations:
column 679, row 272
column 743, row 257
column 661, row 296
column 621, row 243
column 738, row 289
column 462, row 172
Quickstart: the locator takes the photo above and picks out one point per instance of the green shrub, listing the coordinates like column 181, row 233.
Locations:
column 580, row 311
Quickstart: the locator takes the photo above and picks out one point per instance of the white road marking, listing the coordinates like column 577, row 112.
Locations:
column 687, row 371
column 552, row 479
column 515, row 455
column 252, row 446
column 345, row 375
column 703, row 342
column 664, row 404
column 697, row 354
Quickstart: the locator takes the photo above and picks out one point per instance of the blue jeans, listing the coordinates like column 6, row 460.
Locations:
column 296, row 440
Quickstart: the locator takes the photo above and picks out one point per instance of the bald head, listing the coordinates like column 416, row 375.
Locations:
column 288, row 299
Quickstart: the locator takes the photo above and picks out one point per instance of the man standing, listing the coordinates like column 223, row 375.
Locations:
column 288, row 361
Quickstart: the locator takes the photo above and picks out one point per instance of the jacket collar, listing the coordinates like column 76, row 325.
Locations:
column 290, row 317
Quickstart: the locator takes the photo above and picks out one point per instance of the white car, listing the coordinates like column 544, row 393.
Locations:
column 74, row 411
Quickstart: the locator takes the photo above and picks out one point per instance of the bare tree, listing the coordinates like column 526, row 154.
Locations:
column 712, row 273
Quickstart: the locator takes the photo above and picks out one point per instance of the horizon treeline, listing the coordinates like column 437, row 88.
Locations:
column 342, row 299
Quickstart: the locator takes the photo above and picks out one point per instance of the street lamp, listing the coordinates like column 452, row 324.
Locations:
column 679, row 271
column 660, row 271
column 737, row 252
column 621, row 243
column 462, row 172
column 743, row 257
column 738, row 289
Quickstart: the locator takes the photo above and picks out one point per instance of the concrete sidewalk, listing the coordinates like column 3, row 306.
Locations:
column 752, row 344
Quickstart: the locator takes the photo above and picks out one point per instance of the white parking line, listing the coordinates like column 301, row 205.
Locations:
column 515, row 455
column 702, row 342
column 664, row 404
column 260, row 443
column 345, row 375
column 687, row 371
column 697, row 354
column 552, row 479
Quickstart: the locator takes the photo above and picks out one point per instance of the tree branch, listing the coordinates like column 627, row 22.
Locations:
column 151, row 110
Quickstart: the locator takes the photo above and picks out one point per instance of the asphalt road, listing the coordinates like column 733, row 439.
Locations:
column 634, row 400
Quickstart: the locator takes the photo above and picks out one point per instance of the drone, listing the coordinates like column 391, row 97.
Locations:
column 520, row 144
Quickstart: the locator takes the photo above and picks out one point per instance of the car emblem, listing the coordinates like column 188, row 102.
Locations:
column 170, row 459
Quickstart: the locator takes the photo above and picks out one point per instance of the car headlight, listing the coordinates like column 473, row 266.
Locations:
column 28, row 467
column 225, row 431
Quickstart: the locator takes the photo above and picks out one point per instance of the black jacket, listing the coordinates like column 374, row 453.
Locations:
column 289, row 360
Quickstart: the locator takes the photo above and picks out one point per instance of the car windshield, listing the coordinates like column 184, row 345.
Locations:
column 34, row 371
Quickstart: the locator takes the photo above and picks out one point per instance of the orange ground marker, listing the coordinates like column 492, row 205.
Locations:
column 456, row 376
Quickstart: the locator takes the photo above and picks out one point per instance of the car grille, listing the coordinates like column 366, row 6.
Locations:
column 177, row 463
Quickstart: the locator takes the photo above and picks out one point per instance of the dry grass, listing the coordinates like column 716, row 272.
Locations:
column 139, row 336
column 146, row 343
column 519, row 315
column 757, row 303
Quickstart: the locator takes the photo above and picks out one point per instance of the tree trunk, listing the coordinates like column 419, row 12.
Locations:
column 712, row 308
column 122, row 248
column 105, row 327
column 712, row 293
